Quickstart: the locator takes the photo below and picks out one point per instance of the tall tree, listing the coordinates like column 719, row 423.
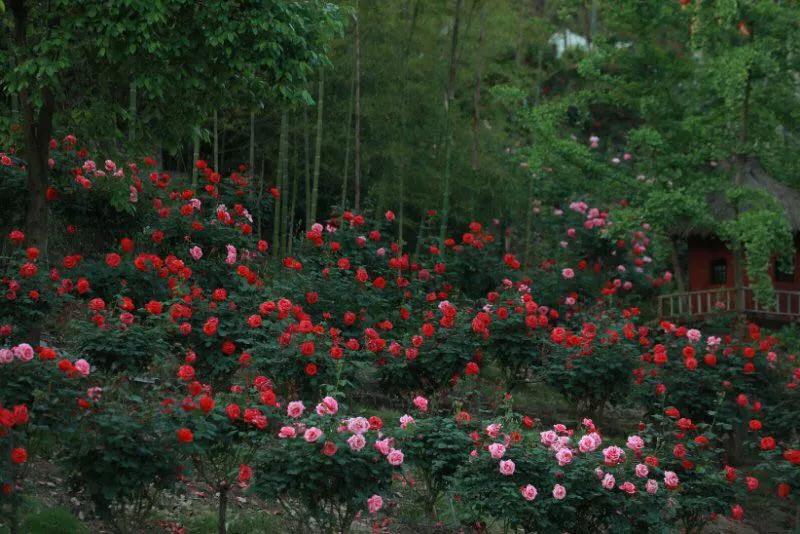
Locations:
column 312, row 217
column 448, row 122
column 357, row 133
column 265, row 46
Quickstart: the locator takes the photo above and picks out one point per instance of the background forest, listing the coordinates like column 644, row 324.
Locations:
column 460, row 109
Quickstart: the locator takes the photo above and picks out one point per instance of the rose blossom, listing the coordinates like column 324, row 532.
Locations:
column 287, row 432
column 493, row 430
column 83, row 367
column 328, row 406
column 24, row 352
column 670, row 479
column 564, row 456
column 357, row 425
column 609, row 481
column 405, row 421
column 529, row 492
column 295, row 409
column 613, row 455
column 374, row 504
column 507, row 467
column 635, row 443
column 6, row 356
column 693, row 335
column 548, row 437
column 196, row 252
column 641, row 470
column 497, row 450
column 651, row 486
column 356, row 442
column 312, row 434
column 384, row 446
column 395, row 457
column 421, row 403
column 559, row 491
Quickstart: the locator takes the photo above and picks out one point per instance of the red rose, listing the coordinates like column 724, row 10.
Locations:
column 233, row 411
column 113, row 259
column 19, row 455
column 184, row 435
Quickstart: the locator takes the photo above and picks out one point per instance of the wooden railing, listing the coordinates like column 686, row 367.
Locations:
column 727, row 299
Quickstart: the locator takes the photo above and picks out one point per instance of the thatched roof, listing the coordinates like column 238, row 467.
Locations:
column 754, row 176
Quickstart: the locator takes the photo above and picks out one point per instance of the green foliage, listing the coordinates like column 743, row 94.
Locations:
column 122, row 460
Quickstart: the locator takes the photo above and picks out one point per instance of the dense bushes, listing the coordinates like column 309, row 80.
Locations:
column 203, row 348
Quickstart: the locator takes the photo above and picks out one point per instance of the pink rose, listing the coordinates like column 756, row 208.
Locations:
column 24, row 352
column 287, row 432
column 507, row 467
column 421, row 403
column 559, row 491
column 613, row 455
column 295, row 409
column 567, row 273
column 670, row 479
column 196, row 253
column 356, row 442
column 628, row 487
column 497, row 450
column 564, row 456
column 493, row 430
column 548, row 437
column 357, row 425
column 586, row 444
column 529, row 492
column 83, row 367
column 395, row 457
column 651, row 486
column 328, row 406
column 312, row 434
column 609, row 481
column 405, row 421
column 374, row 504
column 384, row 446
column 635, row 443
column 6, row 356
column 641, row 470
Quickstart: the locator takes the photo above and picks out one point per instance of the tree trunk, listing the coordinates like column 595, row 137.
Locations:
column 260, row 198
column 252, row 160
column 450, row 96
column 529, row 222
column 285, row 190
column 348, row 131
column 405, row 164
column 222, row 519
column 680, row 281
column 295, row 178
column 307, row 165
column 276, row 228
column 476, row 99
column 37, row 130
column 216, row 143
column 317, row 147
column 252, row 142
column 357, row 134
column 132, row 112
column 195, row 154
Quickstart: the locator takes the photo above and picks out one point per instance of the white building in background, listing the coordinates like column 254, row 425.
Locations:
column 566, row 40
